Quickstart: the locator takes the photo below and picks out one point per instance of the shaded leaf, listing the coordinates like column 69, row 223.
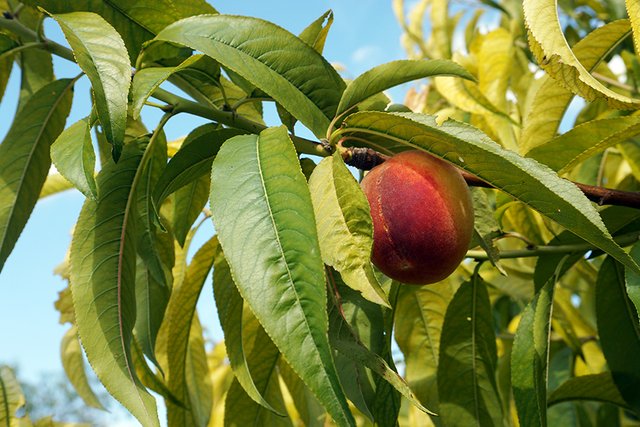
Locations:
column 618, row 323
column 103, row 256
column 25, row 159
column 102, row 55
column 229, row 304
column 596, row 387
column 467, row 360
column 274, row 60
column 309, row 410
column 263, row 213
column 197, row 376
column 632, row 280
column 345, row 230
column 393, row 73
column 470, row 149
column 73, row 156
column 530, row 358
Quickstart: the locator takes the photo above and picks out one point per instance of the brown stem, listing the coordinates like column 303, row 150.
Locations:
column 367, row 158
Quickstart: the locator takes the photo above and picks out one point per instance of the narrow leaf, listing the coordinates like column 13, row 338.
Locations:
column 583, row 141
column 269, row 57
column 103, row 256
column 530, row 358
column 596, row 387
column 197, row 376
column 618, row 323
column 54, row 184
column 229, row 304
column 633, row 9
column 345, row 230
column 632, row 280
column 73, row 156
column 102, row 55
column 468, row 148
column 25, row 159
column 177, row 326
column 263, row 213
column 393, row 73
column 556, row 57
column 74, row 367
column 468, row 359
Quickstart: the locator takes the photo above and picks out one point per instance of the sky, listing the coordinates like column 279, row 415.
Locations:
column 364, row 34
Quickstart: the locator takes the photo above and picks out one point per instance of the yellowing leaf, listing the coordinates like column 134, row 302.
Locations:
column 633, row 9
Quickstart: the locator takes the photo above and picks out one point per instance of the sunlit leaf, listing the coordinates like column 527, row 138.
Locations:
column 309, row 410
column 315, row 34
column 73, row 156
column 345, row 231
column 25, row 159
column 393, row 73
column 467, row 360
column 551, row 100
column 633, row 9
column 197, row 375
column 102, row 55
column 530, row 356
column 576, row 145
column 74, row 367
column 263, row 213
column 274, row 60
column 470, row 149
column 103, row 257
column 618, row 323
column 556, row 57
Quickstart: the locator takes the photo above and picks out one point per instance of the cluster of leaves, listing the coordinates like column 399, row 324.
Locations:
column 308, row 321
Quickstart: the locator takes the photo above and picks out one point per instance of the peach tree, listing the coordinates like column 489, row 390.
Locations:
column 538, row 325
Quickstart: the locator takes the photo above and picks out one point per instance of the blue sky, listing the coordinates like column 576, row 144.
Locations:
column 364, row 34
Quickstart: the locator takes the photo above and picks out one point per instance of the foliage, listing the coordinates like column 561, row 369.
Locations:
column 545, row 333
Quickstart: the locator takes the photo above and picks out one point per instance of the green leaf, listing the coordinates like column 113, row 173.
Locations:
column 345, row 230
column 417, row 332
column 596, row 387
column 263, row 364
column 136, row 21
column 486, row 227
column 147, row 80
column 554, row 55
column 6, row 60
column 633, row 9
column 102, row 55
column 263, row 213
column 393, row 73
column 229, row 304
column 177, row 325
column 618, row 323
column 73, row 156
column 11, row 398
column 188, row 203
column 551, row 100
column 197, row 376
column 25, row 160
column 470, row 149
column 73, row 364
column 468, row 359
column 530, row 358
column 193, row 159
column 269, row 57
column 309, row 410
column 566, row 151
column 632, row 280
column 103, row 256
column 315, row 35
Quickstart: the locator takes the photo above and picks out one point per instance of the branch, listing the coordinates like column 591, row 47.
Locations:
column 367, row 158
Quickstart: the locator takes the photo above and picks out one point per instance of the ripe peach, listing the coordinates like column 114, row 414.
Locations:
column 422, row 217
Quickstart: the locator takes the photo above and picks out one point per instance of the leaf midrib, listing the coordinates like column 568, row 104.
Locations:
column 5, row 401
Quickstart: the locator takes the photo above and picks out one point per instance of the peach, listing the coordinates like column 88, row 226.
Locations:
column 422, row 217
